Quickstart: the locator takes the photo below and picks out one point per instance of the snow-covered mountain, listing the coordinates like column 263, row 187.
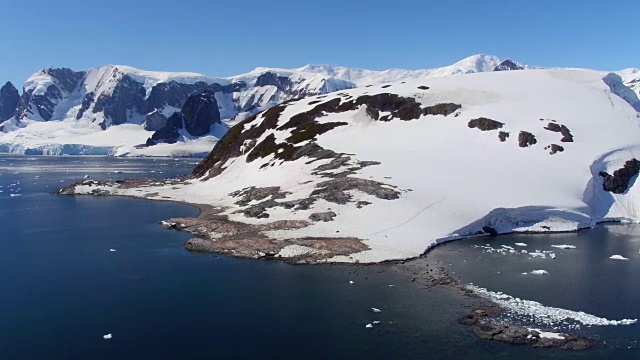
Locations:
column 66, row 111
column 387, row 171
column 631, row 78
column 121, row 110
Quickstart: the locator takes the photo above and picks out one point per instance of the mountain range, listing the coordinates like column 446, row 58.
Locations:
column 120, row 110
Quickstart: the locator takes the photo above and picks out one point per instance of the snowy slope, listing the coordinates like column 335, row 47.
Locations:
column 436, row 177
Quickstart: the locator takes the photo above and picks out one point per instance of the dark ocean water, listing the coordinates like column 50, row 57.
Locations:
column 62, row 289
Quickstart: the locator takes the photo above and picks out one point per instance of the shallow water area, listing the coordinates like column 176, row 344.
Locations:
column 571, row 271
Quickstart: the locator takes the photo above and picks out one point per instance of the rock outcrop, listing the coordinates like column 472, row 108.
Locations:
column 9, row 99
column 618, row 183
column 200, row 113
column 485, row 124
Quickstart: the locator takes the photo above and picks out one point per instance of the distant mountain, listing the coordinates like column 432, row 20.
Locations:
column 62, row 111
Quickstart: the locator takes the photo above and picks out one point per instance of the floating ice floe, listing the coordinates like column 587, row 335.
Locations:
column 538, row 254
column 15, row 195
column 618, row 257
column 507, row 247
column 540, row 272
column 566, row 247
column 107, row 336
column 369, row 326
column 376, row 322
column 521, row 244
column 112, row 250
column 548, row 334
column 552, row 255
column 545, row 314
column 376, row 310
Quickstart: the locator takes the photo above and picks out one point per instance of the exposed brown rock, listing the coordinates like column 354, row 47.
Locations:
column 485, row 124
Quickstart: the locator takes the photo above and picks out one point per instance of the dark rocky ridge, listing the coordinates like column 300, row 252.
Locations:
column 618, row 183
column 282, row 83
column 9, row 99
column 508, row 65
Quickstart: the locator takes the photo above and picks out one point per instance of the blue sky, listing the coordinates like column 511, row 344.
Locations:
column 232, row 37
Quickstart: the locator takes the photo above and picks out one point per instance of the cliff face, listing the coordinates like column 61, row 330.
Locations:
column 9, row 99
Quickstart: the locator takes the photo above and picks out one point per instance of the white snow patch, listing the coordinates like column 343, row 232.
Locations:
column 545, row 314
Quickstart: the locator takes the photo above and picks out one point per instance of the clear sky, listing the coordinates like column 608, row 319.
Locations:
column 225, row 38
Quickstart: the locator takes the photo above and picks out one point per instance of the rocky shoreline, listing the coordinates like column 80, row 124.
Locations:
column 482, row 315
column 216, row 233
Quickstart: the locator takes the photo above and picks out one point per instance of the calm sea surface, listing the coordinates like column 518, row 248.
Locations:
column 62, row 288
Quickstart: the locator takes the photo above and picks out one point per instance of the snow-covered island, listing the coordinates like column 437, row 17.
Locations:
column 387, row 171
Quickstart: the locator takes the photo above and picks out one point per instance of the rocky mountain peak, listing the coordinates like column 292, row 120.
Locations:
column 271, row 78
column 508, row 65
column 9, row 99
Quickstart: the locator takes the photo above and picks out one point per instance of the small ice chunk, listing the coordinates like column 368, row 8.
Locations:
column 538, row 254
column 540, row 272
column 552, row 255
column 391, row 285
column 112, row 250
column 617, row 257
column 369, row 326
column 375, row 310
column 566, row 247
column 107, row 336
column 507, row 247
column 87, row 176
column 520, row 244
column 376, row 322
column 525, row 273
column 350, row 282
column 548, row 334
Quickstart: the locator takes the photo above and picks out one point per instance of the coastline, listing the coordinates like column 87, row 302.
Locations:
column 478, row 312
